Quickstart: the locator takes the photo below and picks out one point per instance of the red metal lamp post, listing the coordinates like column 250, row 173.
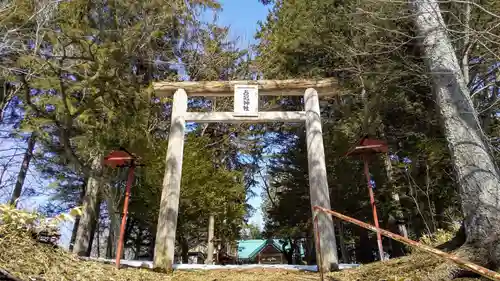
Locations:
column 122, row 158
column 366, row 148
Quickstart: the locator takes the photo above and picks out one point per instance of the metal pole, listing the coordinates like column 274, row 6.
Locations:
column 374, row 207
column 130, row 180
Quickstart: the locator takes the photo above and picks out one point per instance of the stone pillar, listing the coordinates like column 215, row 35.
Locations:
column 318, row 184
column 169, row 204
column 210, row 242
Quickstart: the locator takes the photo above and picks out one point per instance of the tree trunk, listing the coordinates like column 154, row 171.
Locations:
column 210, row 242
column 288, row 253
column 112, row 203
column 466, row 44
column 184, row 250
column 309, row 247
column 151, row 247
column 21, row 176
column 90, row 211
column 77, row 220
column 95, row 229
column 73, row 233
column 129, row 227
column 109, row 246
column 138, row 243
column 475, row 169
column 397, row 216
column 6, row 94
column 396, row 249
column 364, row 249
column 440, row 208
column 343, row 248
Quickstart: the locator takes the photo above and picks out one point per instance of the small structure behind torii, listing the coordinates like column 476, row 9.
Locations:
column 246, row 95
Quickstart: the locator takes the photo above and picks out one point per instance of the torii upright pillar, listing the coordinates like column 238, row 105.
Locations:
column 169, row 203
column 318, row 183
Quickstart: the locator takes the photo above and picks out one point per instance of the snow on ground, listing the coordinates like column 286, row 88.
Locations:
column 149, row 264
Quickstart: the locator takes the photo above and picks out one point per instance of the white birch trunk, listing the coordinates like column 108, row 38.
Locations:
column 210, row 242
column 476, row 171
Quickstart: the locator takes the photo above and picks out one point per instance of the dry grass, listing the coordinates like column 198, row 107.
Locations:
column 415, row 267
column 28, row 260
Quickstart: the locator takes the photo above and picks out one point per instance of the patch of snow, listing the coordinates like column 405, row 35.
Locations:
column 149, row 264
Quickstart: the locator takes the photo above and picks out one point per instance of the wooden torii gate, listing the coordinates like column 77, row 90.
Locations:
column 246, row 102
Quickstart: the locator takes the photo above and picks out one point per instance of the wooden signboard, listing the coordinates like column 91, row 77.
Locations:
column 246, row 100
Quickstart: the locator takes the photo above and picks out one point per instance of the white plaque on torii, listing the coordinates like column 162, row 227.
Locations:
column 246, row 100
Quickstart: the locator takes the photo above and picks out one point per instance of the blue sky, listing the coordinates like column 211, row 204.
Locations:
column 242, row 17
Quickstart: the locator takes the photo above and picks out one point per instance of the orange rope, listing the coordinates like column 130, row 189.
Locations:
column 460, row 262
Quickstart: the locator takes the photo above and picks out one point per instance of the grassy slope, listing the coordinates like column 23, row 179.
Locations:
column 26, row 259
column 413, row 267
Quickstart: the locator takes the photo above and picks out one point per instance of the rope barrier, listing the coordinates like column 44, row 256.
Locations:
column 460, row 262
